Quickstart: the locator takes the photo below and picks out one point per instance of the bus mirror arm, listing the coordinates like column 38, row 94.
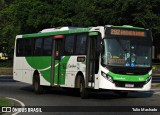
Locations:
column 100, row 49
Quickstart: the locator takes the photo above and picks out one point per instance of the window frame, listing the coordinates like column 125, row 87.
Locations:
column 44, row 46
column 64, row 44
column 75, row 44
column 41, row 49
column 85, row 53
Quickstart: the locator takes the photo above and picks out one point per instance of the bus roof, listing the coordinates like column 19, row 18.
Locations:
column 56, row 32
column 128, row 27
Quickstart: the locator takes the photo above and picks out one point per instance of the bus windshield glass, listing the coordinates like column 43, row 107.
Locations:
column 127, row 51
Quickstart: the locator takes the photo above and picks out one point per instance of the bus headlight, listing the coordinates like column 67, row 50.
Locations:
column 110, row 79
column 106, row 76
column 148, row 79
column 103, row 74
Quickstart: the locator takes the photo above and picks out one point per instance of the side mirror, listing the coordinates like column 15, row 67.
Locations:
column 100, row 50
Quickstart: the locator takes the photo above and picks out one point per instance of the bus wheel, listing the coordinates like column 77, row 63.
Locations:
column 121, row 93
column 37, row 87
column 83, row 91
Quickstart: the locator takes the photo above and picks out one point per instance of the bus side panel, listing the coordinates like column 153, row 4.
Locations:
column 72, row 68
column 23, row 71
column 17, row 68
column 40, row 63
column 43, row 75
column 27, row 72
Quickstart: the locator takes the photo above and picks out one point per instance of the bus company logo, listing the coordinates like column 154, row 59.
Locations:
column 120, row 78
column 141, row 79
column 71, row 66
column 6, row 109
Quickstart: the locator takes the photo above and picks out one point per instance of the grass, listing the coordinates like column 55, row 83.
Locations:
column 156, row 67
column 5, row 102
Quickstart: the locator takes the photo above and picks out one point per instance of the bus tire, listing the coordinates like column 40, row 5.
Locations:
column 83, row 91
column 36, row 86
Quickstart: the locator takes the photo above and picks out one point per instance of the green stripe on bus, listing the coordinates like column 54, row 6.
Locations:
column 63, row 68
column 128, row 78
column 46, row 74
column 43, row 65
column 39, row 62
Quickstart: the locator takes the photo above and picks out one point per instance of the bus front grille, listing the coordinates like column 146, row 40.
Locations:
column 126, row 84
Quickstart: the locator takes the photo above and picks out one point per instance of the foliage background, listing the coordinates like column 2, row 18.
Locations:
column 31, row 16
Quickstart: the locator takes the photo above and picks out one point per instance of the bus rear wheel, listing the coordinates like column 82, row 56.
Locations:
column 83, row 91
column 37, row 87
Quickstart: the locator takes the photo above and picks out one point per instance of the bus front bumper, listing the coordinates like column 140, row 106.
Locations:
column 105, row 84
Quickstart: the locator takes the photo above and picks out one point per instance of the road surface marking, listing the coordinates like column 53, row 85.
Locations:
column 21, row 103
column 6, row 76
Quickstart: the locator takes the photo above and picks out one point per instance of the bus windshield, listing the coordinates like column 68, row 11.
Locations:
column 127, row 51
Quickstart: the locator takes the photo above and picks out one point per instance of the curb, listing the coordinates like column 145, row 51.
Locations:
column 155, row 75
column 155, row 85
column 6, row 75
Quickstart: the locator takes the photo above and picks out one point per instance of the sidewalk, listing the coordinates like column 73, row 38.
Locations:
column 155, row 86
column 155, row 72
column 6, row 71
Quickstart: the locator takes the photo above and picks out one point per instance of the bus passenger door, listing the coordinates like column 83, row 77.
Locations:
column 56, row 60
column 92, row 60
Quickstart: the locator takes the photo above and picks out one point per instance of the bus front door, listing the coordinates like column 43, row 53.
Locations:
column 91, row 55
column 56, row 62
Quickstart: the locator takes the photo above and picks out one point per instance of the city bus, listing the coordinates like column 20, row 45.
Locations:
column 116, row 58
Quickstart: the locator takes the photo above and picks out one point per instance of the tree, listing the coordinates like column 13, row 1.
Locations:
column 21, row 16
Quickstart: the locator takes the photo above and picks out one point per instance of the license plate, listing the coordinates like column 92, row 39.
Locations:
column 129, row 85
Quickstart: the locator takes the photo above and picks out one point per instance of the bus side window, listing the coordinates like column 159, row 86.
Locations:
column 47, row 46
column 69, row 44
column 28, row 47
column 20, row 47
column 38, row 47
column 81, row 44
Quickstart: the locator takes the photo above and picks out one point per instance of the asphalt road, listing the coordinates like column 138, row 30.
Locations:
column 156, row 79
column 61, row 97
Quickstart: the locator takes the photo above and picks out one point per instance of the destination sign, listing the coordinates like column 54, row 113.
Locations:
column 125, row 32
column 116, row 60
